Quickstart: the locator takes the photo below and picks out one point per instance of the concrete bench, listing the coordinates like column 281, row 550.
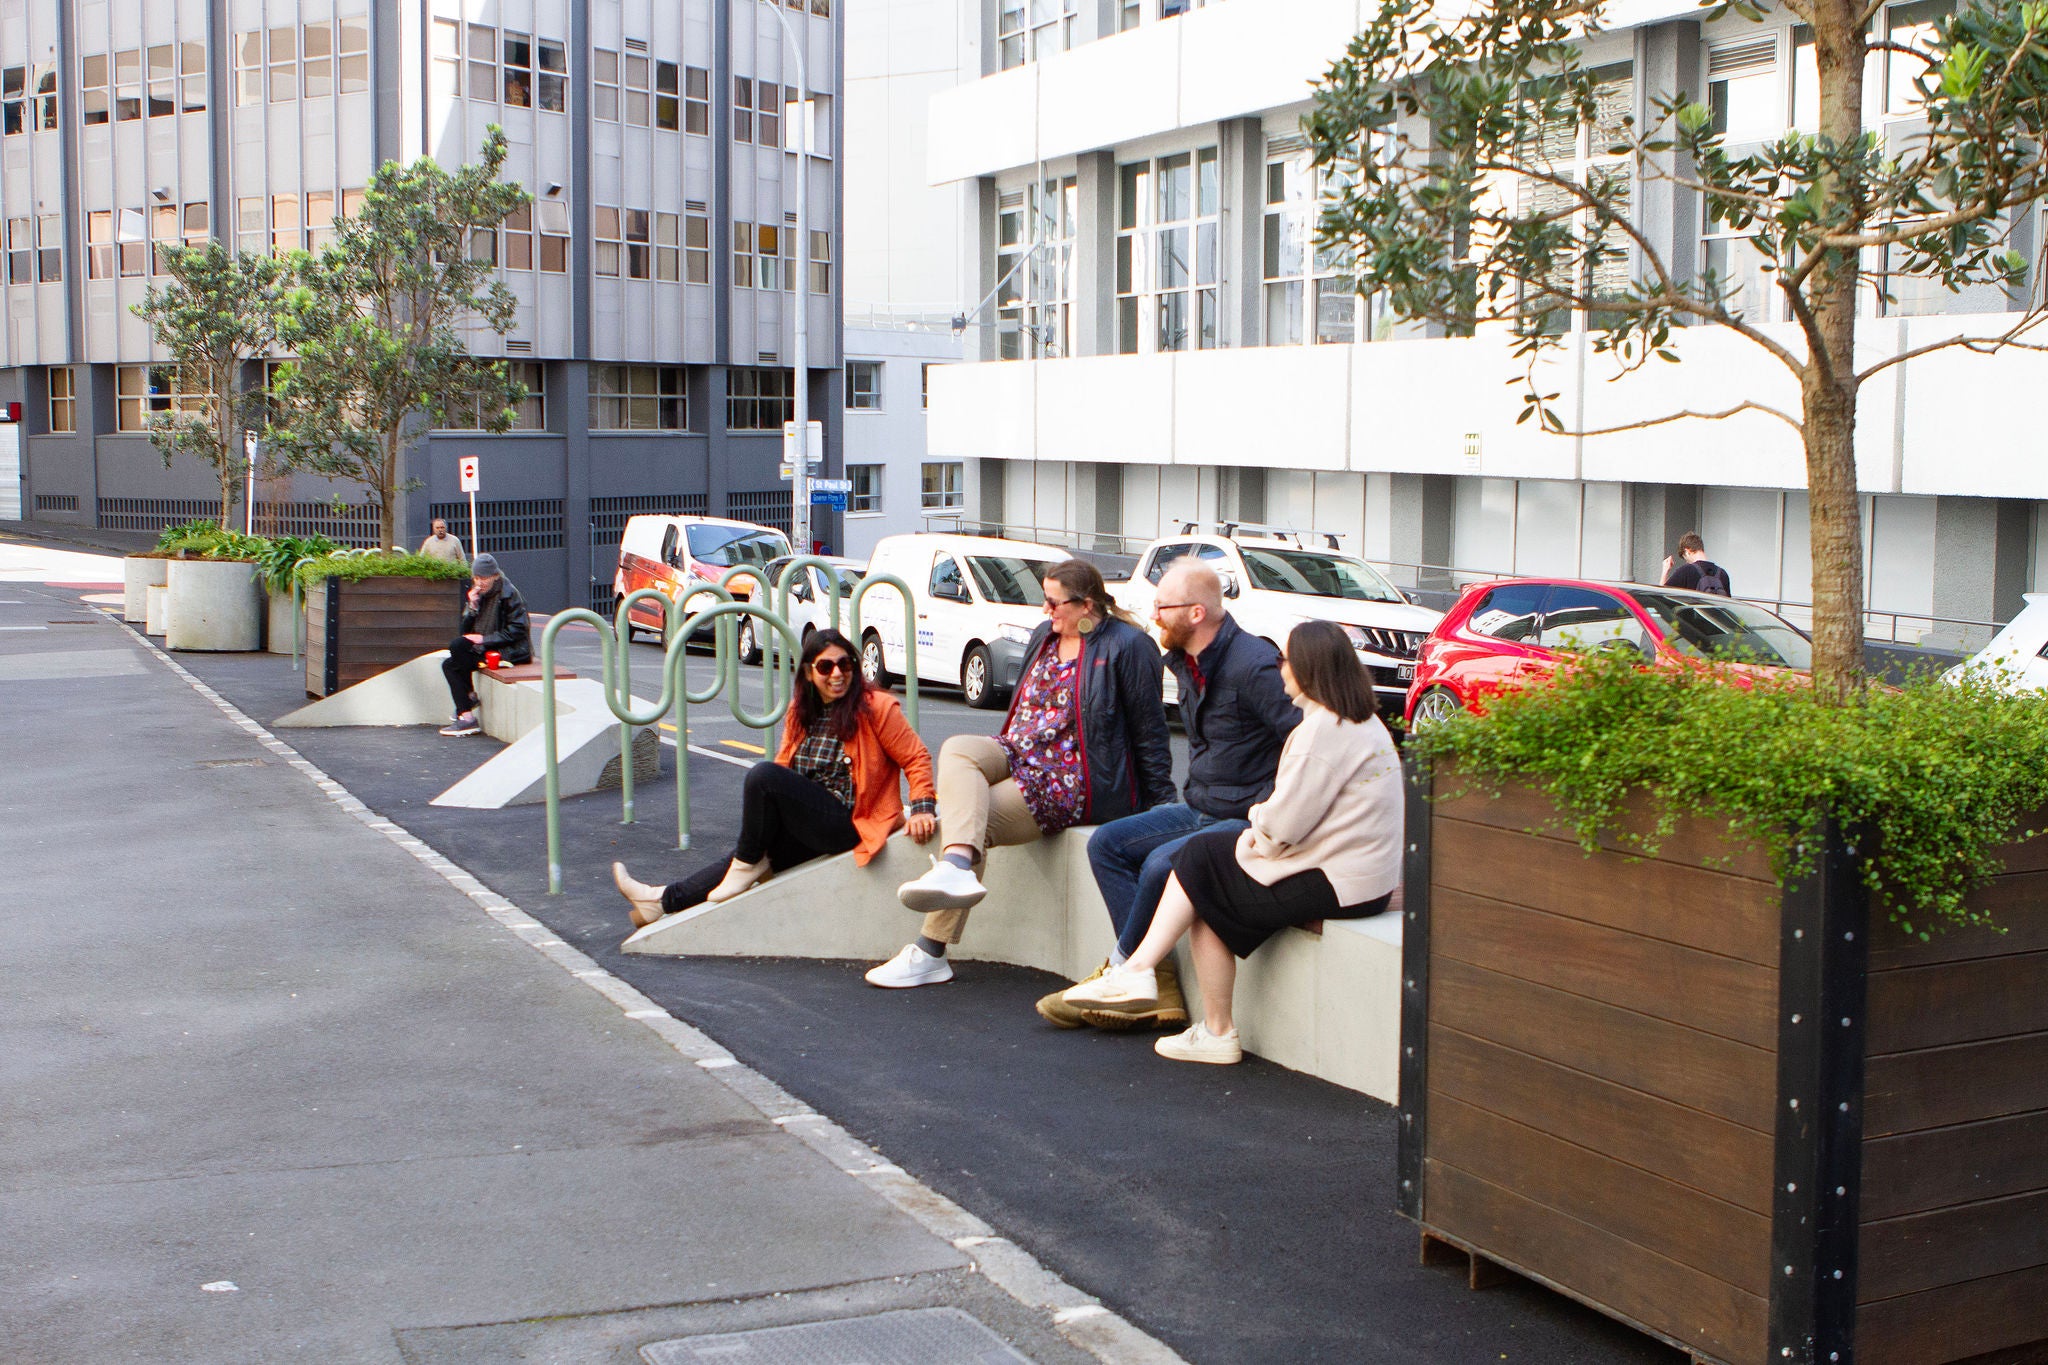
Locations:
column 1326, row 1003
column 510, row 707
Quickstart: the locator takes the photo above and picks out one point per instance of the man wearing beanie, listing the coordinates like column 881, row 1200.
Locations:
column 493, row 618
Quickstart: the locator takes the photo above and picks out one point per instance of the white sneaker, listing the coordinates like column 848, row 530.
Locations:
column 1120, row 985
column 1200, row 1045
column 948, row 886
column 911, row 967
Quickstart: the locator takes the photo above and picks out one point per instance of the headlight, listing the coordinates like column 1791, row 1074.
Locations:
column 1016, row 635
column 1359, row 639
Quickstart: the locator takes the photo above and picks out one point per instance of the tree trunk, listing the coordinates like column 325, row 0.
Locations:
column 228, row 473
column 387, row 493
column 1828, row 386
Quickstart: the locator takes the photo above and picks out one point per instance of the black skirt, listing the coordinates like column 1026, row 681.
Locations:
column 1244, row 912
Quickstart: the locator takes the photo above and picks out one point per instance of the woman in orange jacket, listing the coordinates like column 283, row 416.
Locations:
column 834, row 785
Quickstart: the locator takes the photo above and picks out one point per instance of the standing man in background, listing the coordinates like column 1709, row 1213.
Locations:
column 1690, row 568
column 441, row 545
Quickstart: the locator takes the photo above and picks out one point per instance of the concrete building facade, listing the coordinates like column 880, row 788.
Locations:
column 655, row 270
column 1167, row 343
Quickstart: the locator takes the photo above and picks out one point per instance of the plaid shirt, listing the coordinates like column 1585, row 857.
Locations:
column 822, row 758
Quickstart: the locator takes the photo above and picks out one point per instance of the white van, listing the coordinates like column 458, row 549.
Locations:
column 678, row 554
column 975, row 600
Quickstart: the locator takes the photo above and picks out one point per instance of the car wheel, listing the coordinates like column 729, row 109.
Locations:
column 975, row 679
column 1438, row 705
column 750, row 642
column 872, row 665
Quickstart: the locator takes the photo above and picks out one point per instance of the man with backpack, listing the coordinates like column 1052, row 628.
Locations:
column 1690, row 568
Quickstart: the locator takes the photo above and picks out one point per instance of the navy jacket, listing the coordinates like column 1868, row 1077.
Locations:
column 1236, row 721
column 1124, row 748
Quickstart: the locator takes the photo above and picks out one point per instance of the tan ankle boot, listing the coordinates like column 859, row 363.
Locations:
column 739, row 877
column 645, row 899
column 1170, row 1010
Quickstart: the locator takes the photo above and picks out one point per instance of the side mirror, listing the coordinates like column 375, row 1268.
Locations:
column 1230, row 587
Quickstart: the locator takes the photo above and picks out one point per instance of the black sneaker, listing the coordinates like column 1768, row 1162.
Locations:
column 466, row 724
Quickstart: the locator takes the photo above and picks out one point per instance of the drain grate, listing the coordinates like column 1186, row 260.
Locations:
column 914, row 1336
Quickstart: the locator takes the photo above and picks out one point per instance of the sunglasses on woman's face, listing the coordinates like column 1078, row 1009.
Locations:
column 837, row 663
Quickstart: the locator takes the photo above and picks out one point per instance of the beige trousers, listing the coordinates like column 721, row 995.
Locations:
column 979, row 806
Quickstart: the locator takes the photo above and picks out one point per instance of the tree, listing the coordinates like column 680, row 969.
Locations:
column 377, row 320
column 1441, row 133
column 216, row 316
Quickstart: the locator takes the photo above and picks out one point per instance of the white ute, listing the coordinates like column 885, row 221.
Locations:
column 1274, row 580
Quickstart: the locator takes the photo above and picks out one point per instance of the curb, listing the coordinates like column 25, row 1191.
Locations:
column 1079, row 1317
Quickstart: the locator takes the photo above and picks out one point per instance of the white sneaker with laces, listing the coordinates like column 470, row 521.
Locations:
column 1120, row 985
column 911, row 967
column 1200, row 1045
column 948, row 886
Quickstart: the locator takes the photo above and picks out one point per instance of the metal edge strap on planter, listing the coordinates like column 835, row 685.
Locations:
column 1818, row 1160
column 1414, row 1092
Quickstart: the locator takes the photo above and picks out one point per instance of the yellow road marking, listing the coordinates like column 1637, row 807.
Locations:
column 742, row 744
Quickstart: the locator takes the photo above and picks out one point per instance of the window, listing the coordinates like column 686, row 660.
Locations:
column 145, row 391
column 821, row 262
column 759, row 400
column 284, row 223
column 551, row 76
column 1581, row 620
column 638, row 398
column 94, row 95
column 1028, row 30
column 866, row 493
column 133, row 242
column 1916, row 27
column 518, row 84
column 619, row 87
column 624, row 243
column 759, row 256
column 696, row 100
column 667, row 247
column 1307, row 298
column 63, row 399
column 28, row 97
column 1166, row 253
column 947, row 581
column 863, row 385
column 924, row 385
column 283, row 64
column 697, row 247
column 249, row 225
column 175, row 225
column 604, row 85
column 1035, row 261
column 99, row 245
column 768, row 113
column 518, row 228
column 943, row 488
column 21, row 258
column 1746, row 90
column 606, row 246
column 635, row 106
column 668, row 109
column 742, row 109
column 1578, row 151
column 1510, row 612
column 551, row 218
column 639, row 260
column 320, row 219
column 467, row 414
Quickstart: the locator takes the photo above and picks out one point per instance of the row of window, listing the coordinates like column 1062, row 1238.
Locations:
column 942, row 487
column 28, row 98
column 864, row 385
column 503, row 66
column 1032, row 30
column 312, row 61
column 129, row 242
column 35, row 249
column 157, row 82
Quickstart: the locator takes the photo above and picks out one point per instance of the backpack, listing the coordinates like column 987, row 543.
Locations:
column 1711, row 578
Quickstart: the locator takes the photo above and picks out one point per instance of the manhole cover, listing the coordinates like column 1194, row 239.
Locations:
column 914, row 1336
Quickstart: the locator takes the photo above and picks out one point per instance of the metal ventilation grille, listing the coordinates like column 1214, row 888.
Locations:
column 608, row 515
column 507, row 525
column 1286, row 144
column 765, row 357
column 763, row 509
column 636, row 44
column 56, row 502
column 1736, row 58
column 696, row 206
column 518, row 346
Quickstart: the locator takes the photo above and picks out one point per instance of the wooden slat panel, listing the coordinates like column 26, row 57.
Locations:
column 2029, row 855
column 2018, row 906
column 1958, row 1002
column 1923, row 1251
column 1634, row 1284
column 1718, row 995
column 1707, row 910
column 1955, row 1322
column 1939, row 1086
column 1698, row 1070
column 1694, row 841
column 1936, row 1167
column 1721, row 1159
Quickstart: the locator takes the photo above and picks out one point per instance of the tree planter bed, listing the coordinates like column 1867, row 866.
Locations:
column 357, row 628
column 1762, row 1126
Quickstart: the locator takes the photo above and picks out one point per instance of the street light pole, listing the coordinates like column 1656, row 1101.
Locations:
column 800, row 461
column 249, row 499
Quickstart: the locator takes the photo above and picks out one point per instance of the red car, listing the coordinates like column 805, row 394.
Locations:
column 1514, row 632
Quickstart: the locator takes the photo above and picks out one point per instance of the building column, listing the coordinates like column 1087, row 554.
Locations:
column 981, row 272
column 1658, row 514
column 1422, row 511
column 1095, row 254
column 1981, row 552
column 1242, row 153
column 1668, row 59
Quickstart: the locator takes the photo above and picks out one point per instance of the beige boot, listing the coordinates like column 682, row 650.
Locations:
column 739, row 877
column 1170, row 1010
column 645, row 899
column 1055, row 1010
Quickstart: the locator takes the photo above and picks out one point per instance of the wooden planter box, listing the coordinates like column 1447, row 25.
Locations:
column 355, row 629
column 1759, row 1125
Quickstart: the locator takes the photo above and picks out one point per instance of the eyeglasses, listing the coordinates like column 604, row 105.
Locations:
column 1172, row 606
column 837, row 664
column 1061, row 601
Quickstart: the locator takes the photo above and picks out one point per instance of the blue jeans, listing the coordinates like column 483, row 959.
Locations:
column 1132, row 859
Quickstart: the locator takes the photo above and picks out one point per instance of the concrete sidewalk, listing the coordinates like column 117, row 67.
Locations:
column 278, row 1084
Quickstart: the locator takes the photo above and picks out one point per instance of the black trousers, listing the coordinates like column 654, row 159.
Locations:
column 784, row 817
column 463, row 660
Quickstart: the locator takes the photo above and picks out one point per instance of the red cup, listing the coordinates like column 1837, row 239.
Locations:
column 492, row 659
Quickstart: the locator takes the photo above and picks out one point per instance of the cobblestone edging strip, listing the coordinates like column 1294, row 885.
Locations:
column 1079, row 1317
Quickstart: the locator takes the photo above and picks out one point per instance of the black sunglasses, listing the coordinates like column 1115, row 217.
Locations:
column 837, row 664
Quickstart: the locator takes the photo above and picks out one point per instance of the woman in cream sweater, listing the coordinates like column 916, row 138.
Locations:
column 1325, row 845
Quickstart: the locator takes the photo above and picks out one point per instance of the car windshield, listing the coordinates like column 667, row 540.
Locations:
column 1317, row 575
column 726, row 546
column 1726, row 629
column 1008, row 581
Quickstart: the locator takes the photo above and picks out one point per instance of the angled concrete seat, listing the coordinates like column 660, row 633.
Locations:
column 1328, row 1004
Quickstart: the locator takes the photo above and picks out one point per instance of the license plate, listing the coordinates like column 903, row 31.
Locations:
column 1406, row 673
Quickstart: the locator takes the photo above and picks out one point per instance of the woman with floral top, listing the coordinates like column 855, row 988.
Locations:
column 834, row 785
column 1085, row 743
